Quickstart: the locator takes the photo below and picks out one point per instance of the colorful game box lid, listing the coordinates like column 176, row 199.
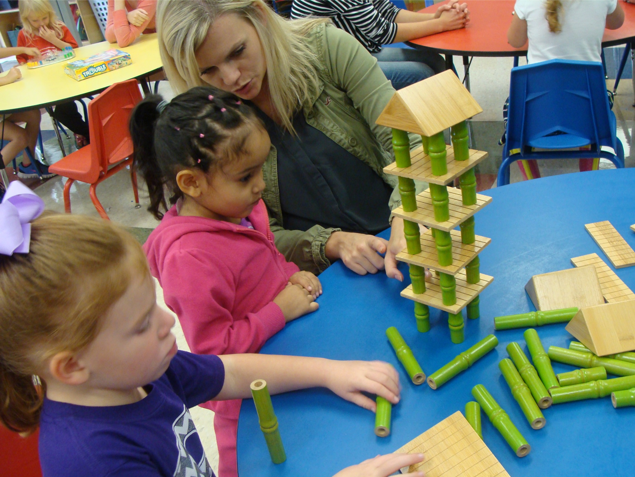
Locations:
column 97, row 64
column 52, row 58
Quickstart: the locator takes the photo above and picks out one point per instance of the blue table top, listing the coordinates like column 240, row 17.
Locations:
column 536, row 227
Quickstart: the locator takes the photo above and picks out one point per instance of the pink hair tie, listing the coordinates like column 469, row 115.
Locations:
column 201, row 135
column 238, row 102
column 210, row 97
column 223, row 110
column 177, row 128
column 198, row 162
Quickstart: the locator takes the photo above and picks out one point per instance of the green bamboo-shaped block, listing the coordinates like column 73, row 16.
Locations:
column 473, row 417
column 438, row 155
column 424, row 143
column 522, row 394
column 408, row 194
column 467, row 231
column 534, row 318
column 401, row 147
column 382, row 417
column 440, row 202
column 591, row 390
column 468, row 187
column 413, row 237
column 529, row 375
column 268, row 420
column 405, row 356
column 443, row 242
column 422, row 315
column 580, row 376
column 473, row 311
column 463, row 361
column 623, row 398
column 418, row 277
column 541, row 359
column 460, row 141
column 447, row 283
column 629, row 356
column 456, row 325
column 584, row 359
column 501, row 421
column 473, row 271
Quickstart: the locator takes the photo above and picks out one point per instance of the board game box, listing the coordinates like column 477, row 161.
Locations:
column 97, row 64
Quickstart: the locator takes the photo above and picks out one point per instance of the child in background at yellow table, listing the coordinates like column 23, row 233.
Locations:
column 113, row 392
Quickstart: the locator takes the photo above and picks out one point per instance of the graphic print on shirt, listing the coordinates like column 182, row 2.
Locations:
column 183, row 428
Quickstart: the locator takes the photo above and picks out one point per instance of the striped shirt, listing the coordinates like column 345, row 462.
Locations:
column 370, row 21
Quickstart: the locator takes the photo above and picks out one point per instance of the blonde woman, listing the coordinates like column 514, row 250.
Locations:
column 319, row 92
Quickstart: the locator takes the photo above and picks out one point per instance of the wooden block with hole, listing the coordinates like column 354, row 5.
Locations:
column 452, row 448
column 612, row 244
column 605, row 329
column 576, row 287
column 613, row 288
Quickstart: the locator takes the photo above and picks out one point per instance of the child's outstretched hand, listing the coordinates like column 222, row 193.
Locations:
column 14, row 74
column 34, row 52
column 47, row 34
column 308, row 281
column 383, row 466
column 137, row 17
column 295, row 301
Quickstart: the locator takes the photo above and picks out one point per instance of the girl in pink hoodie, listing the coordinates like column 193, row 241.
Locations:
column 213, row 252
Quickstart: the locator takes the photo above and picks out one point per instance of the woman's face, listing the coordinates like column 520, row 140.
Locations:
column 232, row 58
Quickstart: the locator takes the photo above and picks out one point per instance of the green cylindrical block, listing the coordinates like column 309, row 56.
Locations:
column 268, row 421
column 382, row 417
column 541, row 359
column 468, row 187
column 460, row 141
column 473, row 417
column 467, row 231
column 405, row 356
column 591, row 390
column 534, row 318
column 501, row 421
column 422, row 315
column 424, row 143
column 438, row 154
column 473, row 311
column 529, row 375
column 447, row 284
column 629, row 356
column 418, row 277
column 522, row 394
column 623, row 398
column 443, row 242
column 589, row 360
column 463, row 361
column 440, row 202
column 456, row 325
column 580, row 376
column 473, row 271
column 408, row 194
column 413, row 237
column 401, row 147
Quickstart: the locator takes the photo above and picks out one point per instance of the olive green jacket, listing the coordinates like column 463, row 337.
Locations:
column 352, row 94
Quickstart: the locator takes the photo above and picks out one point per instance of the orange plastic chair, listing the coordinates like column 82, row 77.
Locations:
column 18, row 455
column 110, row 148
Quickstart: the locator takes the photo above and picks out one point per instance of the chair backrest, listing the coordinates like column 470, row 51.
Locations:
column 558, row 104
column 100, row 10
column 108, row 117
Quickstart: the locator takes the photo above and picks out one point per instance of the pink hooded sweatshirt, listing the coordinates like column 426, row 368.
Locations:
column 220, row 279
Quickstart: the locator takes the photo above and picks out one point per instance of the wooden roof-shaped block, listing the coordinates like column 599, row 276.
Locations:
column 605, row 329
column 575, row 287
column 430, row 106
column 613, row 288
column 452, row 448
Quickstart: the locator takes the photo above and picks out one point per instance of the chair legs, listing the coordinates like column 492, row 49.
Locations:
column 93, row 196
column 67, row 195
column 133, row 178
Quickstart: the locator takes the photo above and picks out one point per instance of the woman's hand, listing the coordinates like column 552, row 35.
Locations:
column 137, row 17
column 359, row 252
column 396, row 244
column 383, row 466
column 453, row 19
column 308, row 281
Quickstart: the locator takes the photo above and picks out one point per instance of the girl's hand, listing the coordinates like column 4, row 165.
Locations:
column 444, row 8
column 453, row 19
column 14, row 74
column 47, row 34
column 295, row 301
column 350, row 379
column 34, row 52
column 308, row 281
column 359, row 252
column 383, row 466
column 137, row 17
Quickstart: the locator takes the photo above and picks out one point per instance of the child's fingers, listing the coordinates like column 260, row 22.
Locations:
column 399, row 461
column 362, row 401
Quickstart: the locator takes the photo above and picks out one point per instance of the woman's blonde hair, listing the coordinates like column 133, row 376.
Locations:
column 553, row 9
column 291, row 65
column 39, row 7
column 53, row 299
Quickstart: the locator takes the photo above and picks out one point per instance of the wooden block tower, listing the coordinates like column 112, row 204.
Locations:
column 428, row 108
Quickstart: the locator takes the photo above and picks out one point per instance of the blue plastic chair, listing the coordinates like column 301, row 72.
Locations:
column 557, row 107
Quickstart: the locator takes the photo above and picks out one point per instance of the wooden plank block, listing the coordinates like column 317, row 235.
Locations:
column 459, row 213
column 465, row 292
column 421, row 166
column 452, row 448
column 633, row 228
column 613, row 288
column 462, row 254
column 612, row 244
column 575, row 287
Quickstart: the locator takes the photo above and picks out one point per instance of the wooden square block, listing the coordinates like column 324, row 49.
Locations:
column 576, row 287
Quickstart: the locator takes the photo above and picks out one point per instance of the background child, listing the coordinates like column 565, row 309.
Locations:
column 113, row 389
column 42, row 30
column 128, row 19
column 213, row 252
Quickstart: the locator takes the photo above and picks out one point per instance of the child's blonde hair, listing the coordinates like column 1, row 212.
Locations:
column 39, row 7
column 552, row 14
column 53, row 298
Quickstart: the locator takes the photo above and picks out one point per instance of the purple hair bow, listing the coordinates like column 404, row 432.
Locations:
column 18, row 208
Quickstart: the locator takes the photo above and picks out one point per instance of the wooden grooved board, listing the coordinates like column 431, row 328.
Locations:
column 421, row 166
column 452, row 448
column 459, row 213
column 612, row 244
column 633, row 228
column 465, row 292
column 462, row 254
column 613, row 288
